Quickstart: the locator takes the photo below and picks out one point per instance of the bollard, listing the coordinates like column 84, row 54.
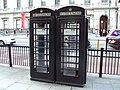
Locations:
column 98, row 44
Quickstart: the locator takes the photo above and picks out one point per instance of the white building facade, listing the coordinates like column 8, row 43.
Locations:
column 102, row 14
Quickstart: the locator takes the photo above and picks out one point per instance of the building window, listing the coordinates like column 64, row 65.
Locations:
column 71, row 2
column 43, row 2
column 87, row 2
column 104, row 1
column 57, row 2
column 5, row 24
column 30, row 3
column 88, row 22
column 18, row 23
column 18, row 3
column 4, row 4
column 27, row 23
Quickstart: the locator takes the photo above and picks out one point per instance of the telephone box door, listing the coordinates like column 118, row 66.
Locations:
column 42, row 45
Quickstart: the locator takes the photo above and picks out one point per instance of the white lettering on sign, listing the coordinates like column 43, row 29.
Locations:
column 41, row 14
column 70, row 13
column 41, row 31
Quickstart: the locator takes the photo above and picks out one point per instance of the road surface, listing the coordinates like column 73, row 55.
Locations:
column 23, row 40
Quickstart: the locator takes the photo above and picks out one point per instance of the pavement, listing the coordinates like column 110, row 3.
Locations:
column 18, row 78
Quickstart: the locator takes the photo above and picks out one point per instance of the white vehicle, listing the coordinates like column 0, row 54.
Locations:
column 6, row 39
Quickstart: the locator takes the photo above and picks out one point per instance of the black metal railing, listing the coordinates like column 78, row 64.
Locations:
column 103, row 61
column 20, row 55
column 4, row 54
column 98, row 61
column 14, row 55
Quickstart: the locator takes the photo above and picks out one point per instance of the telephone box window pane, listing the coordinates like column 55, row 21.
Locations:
column 41, row 46
column 70, row 47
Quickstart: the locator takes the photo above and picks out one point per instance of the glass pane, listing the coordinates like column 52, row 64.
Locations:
column 41, row 46
column 70, row 47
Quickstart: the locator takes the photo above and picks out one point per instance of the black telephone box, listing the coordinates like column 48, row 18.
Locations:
column 71, row 45
column 58, row 45
column 42, row 45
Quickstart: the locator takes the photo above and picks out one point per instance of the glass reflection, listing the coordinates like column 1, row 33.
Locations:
column 41, row 46
column 70, row 48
